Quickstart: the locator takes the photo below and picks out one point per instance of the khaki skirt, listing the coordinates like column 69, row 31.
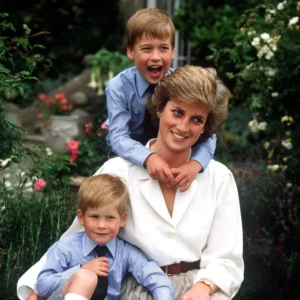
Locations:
column 131, row 290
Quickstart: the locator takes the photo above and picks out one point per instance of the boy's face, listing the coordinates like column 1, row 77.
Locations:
column 102, row 224
column 152, row 57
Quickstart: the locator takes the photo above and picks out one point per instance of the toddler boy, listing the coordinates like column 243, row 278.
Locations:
column 73, row 265
column 150, row 37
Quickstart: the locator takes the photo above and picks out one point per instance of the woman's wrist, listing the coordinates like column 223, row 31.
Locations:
column 204, row 287
column 210, row 286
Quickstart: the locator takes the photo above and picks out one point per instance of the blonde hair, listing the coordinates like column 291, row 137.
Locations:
column 152, row 22
column 193, row 85
column 103, row 189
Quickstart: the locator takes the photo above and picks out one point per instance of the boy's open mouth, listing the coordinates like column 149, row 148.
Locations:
column 154, row 69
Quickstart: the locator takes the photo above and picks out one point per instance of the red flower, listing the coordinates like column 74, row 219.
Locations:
column 40, row 183
column 42, row 97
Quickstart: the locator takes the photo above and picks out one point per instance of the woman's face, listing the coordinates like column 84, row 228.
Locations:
column 181, row 124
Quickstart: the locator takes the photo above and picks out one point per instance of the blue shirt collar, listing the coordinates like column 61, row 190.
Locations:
column 88, row 246
column 141, row 84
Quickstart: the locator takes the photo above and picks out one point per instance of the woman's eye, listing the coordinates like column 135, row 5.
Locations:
column 198, row 120
column 177, row 112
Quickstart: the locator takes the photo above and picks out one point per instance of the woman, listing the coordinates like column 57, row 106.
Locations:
column 196, row 236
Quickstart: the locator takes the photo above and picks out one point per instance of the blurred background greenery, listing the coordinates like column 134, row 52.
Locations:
column 254, row 45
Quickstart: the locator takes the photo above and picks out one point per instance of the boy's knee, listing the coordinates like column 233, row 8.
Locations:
column 86, row 278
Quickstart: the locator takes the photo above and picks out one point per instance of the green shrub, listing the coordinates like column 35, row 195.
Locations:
column 30, row 222
column 267, row 56
column 270, row 214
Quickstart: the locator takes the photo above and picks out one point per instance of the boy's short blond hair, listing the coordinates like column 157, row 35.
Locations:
column 152, row 22
column 193, row 85
column 103, row 189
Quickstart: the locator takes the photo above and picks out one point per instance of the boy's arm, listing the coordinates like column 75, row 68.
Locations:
column 55, row 271
column 202, row 153
column 119, row 132
column 148, row 274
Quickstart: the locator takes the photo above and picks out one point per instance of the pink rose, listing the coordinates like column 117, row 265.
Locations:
column 40, row 183
column 73, row 146
column 42, row 97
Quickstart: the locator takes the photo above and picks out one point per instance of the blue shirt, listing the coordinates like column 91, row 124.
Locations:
column 126, row 95
column 66, row 256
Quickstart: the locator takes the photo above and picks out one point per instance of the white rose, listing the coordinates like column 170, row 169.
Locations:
column 262, row 126
column 265, row 36
column 293, row 21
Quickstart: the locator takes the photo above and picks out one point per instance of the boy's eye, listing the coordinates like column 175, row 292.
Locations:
column 165, row 48
column 110, row 217
column 94, row 217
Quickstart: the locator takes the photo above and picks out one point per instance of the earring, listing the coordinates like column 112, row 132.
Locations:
column 158, row 114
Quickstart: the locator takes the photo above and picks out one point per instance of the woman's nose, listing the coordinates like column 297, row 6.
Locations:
column 183, row 125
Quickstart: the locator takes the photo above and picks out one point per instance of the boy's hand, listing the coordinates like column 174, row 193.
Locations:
column 97, row 265
column 158, row 169
column 185, row 174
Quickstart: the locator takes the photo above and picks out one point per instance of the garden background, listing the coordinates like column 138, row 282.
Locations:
column 255, row 47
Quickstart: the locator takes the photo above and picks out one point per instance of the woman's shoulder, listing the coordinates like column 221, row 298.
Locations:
column 117, row 165
column 216, row 168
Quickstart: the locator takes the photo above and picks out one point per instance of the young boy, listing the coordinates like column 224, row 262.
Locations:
column 73, row 266
column 150, row 37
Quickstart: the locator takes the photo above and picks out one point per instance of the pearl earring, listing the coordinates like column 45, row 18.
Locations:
column 158, row 114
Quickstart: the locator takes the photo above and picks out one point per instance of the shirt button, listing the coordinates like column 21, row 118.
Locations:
column 171, row 235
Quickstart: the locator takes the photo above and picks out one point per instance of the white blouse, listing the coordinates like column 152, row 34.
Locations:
column 206, row 224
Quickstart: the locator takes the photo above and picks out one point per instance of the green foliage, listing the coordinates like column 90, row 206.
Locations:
column 270, row 213
column 105, row 65
column 18, row 61
column 266, row 55
column 92, row 152
column 29, row 223
column 76, row 28
column 210, row 26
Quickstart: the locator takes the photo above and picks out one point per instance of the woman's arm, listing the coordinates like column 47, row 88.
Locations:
column 221, row 259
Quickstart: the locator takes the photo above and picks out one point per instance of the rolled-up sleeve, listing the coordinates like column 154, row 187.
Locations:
column 221, row 259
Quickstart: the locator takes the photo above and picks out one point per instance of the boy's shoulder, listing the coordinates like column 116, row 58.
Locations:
column 72, row 240
column 127, row 247
column 126, row 75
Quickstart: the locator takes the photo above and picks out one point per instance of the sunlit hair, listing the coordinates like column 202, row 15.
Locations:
column 103, row 189
column 152, row 22
column 193, row 85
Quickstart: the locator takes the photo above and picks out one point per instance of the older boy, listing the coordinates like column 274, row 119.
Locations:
column 150, row 44
column 73, row 265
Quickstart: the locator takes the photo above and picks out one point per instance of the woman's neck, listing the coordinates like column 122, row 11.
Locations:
column 173, row 158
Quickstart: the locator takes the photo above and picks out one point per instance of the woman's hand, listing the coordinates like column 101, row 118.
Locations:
column 98, row 265
column 33, row 296
column 199, row 291
column 158, row 169
column 185, row 174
